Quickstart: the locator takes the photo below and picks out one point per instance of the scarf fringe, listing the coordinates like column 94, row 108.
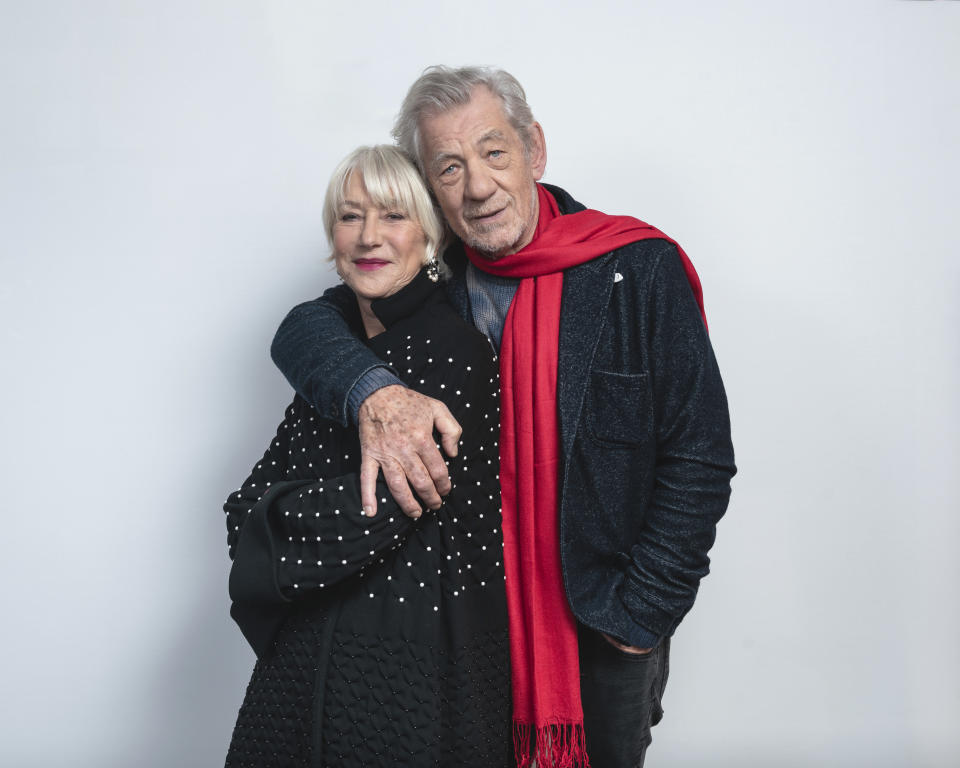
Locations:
column 555, row 745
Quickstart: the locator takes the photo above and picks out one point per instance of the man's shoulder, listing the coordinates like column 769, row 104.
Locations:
column 645, row 254
column 633, row 274
column 565, row 201
column 640, row 258
column 649, row 248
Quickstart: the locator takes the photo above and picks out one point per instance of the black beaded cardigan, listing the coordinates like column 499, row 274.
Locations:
column 380, row 641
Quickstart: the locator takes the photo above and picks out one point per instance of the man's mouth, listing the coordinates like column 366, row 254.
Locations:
column 483, row 217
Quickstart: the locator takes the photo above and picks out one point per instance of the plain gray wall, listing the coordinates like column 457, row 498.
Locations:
column 162, row 167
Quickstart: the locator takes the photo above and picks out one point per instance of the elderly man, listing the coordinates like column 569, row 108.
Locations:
column 615, row 446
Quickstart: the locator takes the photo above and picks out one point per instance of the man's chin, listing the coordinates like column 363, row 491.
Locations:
column 492, row 245
column 487, row 251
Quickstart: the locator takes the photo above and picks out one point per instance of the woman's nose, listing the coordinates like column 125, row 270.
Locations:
column 370, row 233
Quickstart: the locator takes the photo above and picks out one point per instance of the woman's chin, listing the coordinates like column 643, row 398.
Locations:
column 371, row 288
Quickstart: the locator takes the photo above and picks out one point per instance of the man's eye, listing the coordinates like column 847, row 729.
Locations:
column 449, row 170
column 495, row 153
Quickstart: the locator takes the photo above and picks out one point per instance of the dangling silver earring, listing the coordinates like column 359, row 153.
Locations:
column 433, row 269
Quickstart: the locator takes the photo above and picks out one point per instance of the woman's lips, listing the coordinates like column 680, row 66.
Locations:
column 370, row 264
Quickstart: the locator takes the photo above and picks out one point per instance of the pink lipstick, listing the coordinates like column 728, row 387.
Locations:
column 370, row 264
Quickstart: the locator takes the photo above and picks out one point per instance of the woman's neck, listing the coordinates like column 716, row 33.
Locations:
column 371, row 323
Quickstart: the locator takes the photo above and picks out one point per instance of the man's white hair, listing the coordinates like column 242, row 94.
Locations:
column 442, row 88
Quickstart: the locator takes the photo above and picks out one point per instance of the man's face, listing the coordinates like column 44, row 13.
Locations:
column 483, row 180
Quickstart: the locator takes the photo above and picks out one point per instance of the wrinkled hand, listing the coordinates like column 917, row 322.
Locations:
column 396, row 437
column 624, row 647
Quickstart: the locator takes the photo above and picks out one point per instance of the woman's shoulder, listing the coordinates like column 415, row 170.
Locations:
column 437, row 328
column 437, row 353
column 301, row 419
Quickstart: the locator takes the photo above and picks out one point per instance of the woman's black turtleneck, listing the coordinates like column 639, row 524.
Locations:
column 412, row 657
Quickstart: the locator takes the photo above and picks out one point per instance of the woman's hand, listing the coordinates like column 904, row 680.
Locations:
column 396, row 436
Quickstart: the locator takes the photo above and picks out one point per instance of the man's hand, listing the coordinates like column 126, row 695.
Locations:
column 625, row 648
column 396, row 436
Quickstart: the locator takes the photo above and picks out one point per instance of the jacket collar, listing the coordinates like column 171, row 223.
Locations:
column 586, row 294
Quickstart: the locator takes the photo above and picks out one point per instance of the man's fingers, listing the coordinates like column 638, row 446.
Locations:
column 397, row 483
column 439, row 476
column 626, row 648
column 449, row 430
column 396, row 426
column 422, row 479
column 369, row 469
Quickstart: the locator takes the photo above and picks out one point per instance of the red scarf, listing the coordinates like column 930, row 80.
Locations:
column 545, row 666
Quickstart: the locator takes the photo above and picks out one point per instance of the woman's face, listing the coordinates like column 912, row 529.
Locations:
column 377, row 250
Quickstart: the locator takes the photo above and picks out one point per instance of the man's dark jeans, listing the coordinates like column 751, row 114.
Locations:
column 621, row 695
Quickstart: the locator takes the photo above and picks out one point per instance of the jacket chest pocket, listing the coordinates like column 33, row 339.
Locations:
column 619, row 409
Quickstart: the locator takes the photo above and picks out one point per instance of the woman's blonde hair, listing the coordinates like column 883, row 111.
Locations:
column 391, row 181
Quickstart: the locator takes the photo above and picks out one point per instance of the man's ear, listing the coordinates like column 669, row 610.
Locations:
column 538, row 151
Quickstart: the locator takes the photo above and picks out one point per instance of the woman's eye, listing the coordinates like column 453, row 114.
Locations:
column 395, row 216
column 348, row 217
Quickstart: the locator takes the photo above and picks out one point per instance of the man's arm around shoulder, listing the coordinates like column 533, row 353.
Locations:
column 318, row 349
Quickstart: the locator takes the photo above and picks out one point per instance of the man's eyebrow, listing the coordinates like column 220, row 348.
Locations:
column 442, row 157
column 492, row 135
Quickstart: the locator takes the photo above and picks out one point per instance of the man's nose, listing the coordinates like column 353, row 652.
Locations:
column 370, row 232
column 480, row 184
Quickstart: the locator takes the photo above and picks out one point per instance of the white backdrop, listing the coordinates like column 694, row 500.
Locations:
column 162, row 167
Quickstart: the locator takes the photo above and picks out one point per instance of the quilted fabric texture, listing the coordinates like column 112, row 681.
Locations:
column 444, row 718
column 275, row 726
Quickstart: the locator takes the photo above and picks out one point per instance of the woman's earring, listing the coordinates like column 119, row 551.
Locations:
column 433, row 269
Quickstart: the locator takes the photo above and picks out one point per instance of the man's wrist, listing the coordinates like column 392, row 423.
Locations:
column 366, row 385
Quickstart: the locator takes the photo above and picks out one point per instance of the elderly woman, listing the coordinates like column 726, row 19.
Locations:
column 381, row 640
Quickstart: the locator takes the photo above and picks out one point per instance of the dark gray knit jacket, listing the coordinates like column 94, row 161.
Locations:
column 644, row 428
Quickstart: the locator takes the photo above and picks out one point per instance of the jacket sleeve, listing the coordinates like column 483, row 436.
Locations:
column 318, row 350
column 694, row 460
